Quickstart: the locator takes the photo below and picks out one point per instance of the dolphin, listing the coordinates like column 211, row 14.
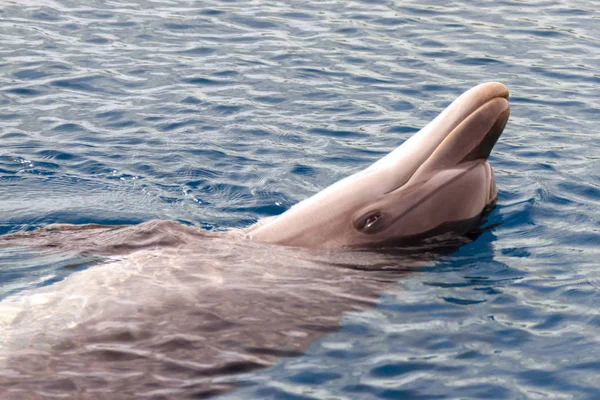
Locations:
column 179, row 312
column 438, row 181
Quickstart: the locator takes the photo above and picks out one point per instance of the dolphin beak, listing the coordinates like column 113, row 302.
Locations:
column 498, row 109
column 473, row 138
column 480, row 130
column 466, row 130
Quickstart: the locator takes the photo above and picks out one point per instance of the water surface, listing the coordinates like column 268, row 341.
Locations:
column 218, row 113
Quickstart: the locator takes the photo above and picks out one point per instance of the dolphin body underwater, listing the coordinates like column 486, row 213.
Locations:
column 176, row 312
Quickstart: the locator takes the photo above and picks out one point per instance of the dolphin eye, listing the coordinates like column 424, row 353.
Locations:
column 368, row 223
column 371, row 220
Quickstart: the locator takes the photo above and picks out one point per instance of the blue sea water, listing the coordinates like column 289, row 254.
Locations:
column 218, row 113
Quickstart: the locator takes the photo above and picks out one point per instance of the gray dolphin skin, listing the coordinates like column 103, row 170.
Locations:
column 437, row 181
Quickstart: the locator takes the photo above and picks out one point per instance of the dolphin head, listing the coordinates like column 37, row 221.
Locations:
column 438, row 181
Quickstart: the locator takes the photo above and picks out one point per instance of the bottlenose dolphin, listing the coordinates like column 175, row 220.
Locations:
column 175, row 311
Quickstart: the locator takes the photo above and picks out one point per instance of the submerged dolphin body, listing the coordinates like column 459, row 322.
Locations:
column 189, row 310
column 437, row 181
column 182, row 322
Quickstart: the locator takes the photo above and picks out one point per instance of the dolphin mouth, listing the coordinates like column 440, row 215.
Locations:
column 466, row 130
column 488, row 141
column 480, row 119
column 473, row 138
column 482, row 128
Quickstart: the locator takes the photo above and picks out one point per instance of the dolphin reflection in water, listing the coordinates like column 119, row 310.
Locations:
column 175, row 312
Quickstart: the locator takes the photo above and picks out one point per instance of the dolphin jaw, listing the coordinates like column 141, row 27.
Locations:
column 406, row 159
